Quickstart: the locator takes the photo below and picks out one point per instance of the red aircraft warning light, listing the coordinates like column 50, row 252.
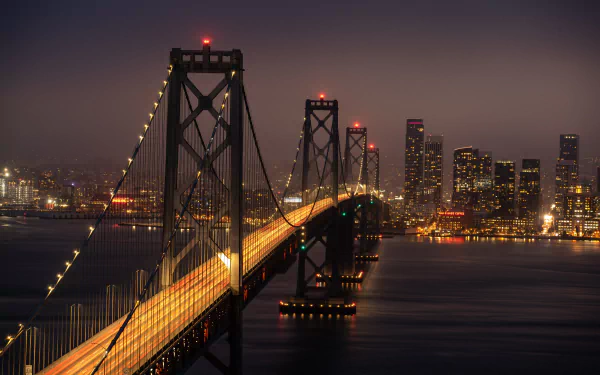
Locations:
column 371, row 146
column 206, row 42
column 322, row 96
column 356, row 124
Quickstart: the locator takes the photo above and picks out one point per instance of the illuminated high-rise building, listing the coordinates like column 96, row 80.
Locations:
column 433, row 170
column 19, row 191
column 482, row 167
column 413, row 164
column 4, row 176
column 567, row 170
column 463, row 178
column 504, row 188
column 3, row 187
column 579, row 202
column 483, row 181
column 530, row 190
column 569, row 147
column 473, row 184
column 566, row 177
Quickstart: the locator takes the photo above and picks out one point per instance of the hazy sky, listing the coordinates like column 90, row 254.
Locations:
column 507, row 76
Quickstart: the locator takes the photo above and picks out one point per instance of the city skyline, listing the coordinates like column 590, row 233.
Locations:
column 359, row 187
column 535, row 81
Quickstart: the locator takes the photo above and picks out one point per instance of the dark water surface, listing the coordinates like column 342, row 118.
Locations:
column 445, row 306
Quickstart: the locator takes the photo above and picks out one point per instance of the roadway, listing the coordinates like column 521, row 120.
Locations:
column 166, row 314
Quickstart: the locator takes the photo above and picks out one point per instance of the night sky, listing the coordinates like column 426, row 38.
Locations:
column 78, row 79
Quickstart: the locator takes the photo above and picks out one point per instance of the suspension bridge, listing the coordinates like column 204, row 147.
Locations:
column 195, row 228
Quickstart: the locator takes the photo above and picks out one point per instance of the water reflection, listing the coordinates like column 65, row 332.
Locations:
column 429, row 305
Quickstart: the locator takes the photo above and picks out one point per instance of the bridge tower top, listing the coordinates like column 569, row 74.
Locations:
column 355, row 154
column 321, row 142
column 373, row 167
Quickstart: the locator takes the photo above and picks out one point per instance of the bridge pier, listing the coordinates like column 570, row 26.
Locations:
column 363, row 229
column 368, row 229
column 300, row 282
column 337, row 237
column 339, row 254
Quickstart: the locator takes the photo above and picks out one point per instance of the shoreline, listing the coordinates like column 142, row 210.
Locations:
column 530, row 237
column 399, row 232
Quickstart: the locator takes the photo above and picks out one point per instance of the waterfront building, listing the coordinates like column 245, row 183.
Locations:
column 566, row 173
column 504, row 188
column 567, row 170
column 578, row 227
column 3, row 187
column 579, row 202
column 462, row 178
column 530, row 190
column 473, row 185
column 413, row 164
column 455, row 221
column 19, row 191
column 591, row 226
column 507, row 225
column 483, row 184
column 433, row 171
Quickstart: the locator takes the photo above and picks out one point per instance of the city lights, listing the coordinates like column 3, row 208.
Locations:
column 194, row 225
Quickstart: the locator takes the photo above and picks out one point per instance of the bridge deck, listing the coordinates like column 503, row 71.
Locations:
column 158, row 320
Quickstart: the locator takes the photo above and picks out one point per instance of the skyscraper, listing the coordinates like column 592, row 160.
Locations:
column 569, row 147
column 413, row 164
column 504, row 188
column 566, row 177
column 579, row 202
column 473, row 186
column 433, row 170
column 530, row 190
column 462, row 178
column 567, row 169
column 483, row 182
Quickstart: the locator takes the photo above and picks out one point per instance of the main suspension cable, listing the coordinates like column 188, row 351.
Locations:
column 24, row 327
column 262, row 165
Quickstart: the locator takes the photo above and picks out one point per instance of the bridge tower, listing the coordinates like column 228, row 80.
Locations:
column 355, row 155
column 375, row 189
column 369, row 212
column 325, row 114
column 229, row 65
column 372, row 156
column 335, row 231
column 328, row 122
